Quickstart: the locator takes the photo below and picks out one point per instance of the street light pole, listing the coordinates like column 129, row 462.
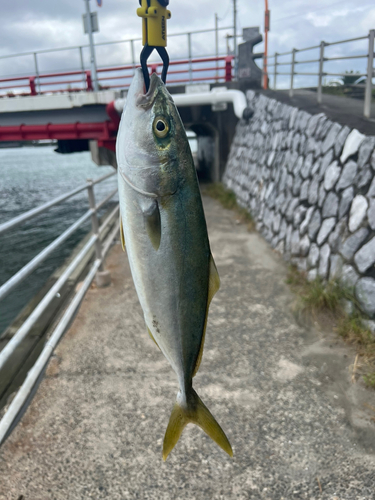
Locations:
column 92, row 48
column 235, row 36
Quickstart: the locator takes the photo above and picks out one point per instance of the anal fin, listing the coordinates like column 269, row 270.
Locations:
column 122, row 239
column 149, row 332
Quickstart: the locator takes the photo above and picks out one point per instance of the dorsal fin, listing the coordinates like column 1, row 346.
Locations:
column 122, row 239
column 213, row 287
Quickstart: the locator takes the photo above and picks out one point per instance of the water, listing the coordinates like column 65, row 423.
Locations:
column 30, row 177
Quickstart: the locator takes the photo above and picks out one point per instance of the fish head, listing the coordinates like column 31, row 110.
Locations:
column 152, row 147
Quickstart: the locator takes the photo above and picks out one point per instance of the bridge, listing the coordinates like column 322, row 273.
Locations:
column 63, row 106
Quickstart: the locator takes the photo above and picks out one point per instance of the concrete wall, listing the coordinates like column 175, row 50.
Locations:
column 310, row 185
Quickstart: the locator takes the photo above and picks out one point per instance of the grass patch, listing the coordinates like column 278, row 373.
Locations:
column 228, row 200
column 324, row 303
column 316, row 296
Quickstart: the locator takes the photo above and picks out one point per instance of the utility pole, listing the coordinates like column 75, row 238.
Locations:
column 266, row 30
column 235, row 36
column 92, row 48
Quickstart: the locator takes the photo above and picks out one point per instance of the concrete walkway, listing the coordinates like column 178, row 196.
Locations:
column 298, row 427
column 344, row 110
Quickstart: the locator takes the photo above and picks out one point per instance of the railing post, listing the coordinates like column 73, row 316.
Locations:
column 320, row 77
column 190, row 63
column 37, row 73
column 154, row 68
column 291, row 90
column 82, row 67
column 94, row 218
column 228, row 68
column 103, row 278
column 275, row 72
column 32, row 85
column 133, row 56
column 370, row 73
column 217, row 45
column 88, row 81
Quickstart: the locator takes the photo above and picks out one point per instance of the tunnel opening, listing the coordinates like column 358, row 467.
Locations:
column 203, row 140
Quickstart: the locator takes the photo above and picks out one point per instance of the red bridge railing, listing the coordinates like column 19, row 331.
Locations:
column 212, row 69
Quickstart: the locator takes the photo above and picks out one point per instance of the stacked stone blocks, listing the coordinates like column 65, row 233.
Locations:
column 310, row 185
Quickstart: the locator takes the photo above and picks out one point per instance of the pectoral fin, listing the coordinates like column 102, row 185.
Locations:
column 153, row 223
column 122, row 239
column 213, row 287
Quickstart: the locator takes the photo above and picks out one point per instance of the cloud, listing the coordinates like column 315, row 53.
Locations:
column 322, row 20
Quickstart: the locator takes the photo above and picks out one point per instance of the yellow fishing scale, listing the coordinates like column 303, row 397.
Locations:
column 154, row 14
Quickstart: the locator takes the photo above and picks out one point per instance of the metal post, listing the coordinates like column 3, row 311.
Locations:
column 37, row 73
column 275, row 72
column 92, row 48
column 190, row 63
column 370, row 73
column 94, row 220
column 217, row 44
column 320, row 77
column 291, row 90
column 133, row 55
column 82, row 68
column 235, row 36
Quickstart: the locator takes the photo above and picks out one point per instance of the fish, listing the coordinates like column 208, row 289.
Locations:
column 163, row 228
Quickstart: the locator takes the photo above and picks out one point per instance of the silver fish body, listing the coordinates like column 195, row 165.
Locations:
column 165, row 234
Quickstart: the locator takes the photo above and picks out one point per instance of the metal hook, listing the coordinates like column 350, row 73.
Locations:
column 145, row 54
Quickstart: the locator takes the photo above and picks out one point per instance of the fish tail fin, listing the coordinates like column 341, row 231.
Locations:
column 197, row 413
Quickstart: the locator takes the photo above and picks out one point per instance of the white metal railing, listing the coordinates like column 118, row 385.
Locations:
column 35, row 375
column 129, row 48
column 369, row 73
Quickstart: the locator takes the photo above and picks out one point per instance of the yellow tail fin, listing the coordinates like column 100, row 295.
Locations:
column 196, row 413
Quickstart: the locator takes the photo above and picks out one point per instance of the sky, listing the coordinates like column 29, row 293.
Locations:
column 43, row 24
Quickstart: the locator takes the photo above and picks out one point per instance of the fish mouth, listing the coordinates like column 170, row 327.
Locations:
column 146, row 99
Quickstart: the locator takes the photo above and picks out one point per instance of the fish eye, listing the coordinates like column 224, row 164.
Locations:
column 161, row 127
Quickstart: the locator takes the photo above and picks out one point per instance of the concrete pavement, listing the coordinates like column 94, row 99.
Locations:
column 282, row 393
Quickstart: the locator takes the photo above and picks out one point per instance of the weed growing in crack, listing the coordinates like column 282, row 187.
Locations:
column 324, row 302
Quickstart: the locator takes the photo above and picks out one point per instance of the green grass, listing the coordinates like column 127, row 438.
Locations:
column 324, row 302
column 316, row 296
column 228, row 200
column 370, row 380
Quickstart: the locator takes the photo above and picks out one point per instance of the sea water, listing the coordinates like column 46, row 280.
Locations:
column 29, row 177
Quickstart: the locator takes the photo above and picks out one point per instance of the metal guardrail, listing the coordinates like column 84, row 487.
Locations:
column 32, row 84
column 217, row 72
column 35, row 375
column 369, row 74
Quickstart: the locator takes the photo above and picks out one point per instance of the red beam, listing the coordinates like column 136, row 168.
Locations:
column 99, row 131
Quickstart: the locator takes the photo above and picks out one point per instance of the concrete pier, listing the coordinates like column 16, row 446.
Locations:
column 283, row 394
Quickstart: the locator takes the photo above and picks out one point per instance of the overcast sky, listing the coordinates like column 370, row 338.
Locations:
column 41, row 24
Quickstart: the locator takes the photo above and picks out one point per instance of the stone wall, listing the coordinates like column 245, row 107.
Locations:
column 310, row 185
